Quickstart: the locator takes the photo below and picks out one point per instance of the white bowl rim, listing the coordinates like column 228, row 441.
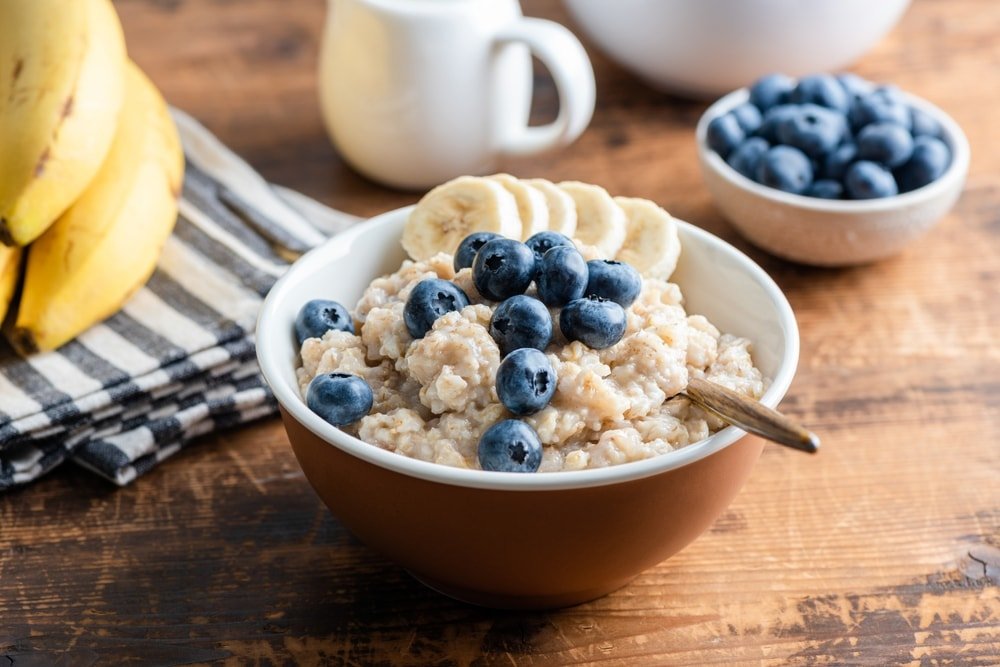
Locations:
column 951, row 131
column 289, row 397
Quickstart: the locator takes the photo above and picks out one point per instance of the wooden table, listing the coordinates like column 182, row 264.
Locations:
column 883, row 549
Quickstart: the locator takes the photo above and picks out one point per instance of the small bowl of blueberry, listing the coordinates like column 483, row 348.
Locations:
column 831, row 170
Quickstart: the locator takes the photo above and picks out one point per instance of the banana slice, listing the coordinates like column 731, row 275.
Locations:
column 531, row 204
column 562, row 210
column 453, row 210
column 600, row 222
column 651, row 242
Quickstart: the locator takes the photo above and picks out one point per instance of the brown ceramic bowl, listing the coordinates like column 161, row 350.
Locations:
column 514, row 540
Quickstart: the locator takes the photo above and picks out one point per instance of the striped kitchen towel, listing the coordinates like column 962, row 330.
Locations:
column 178, row 360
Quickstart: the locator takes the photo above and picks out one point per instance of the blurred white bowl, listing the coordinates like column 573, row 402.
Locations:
column 827, row 232
column 707, row 47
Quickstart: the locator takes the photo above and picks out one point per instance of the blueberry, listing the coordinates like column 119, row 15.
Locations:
column 745, row 158
column 510, row 446
column 785, row 168
column 318, row 316
column 748, row 117
column 813, row 129
column 868, row 180
column 339, row 398
column 822, row 90
column 886, row 143
column 594, row 321
column 562, row 276
column 542, row 242
column 526, row 381
column 838, row 160
column 891, row 92
column 854, row 85
column 521, row 321
column 469, row 246
column 724, row 134
column 929, row 161
column 770, row 91
column 503, row 268
column 881, row 105
column 613, row 280
column 774, row 118
column 430, row 299
column 923, row 124
column 825, row 189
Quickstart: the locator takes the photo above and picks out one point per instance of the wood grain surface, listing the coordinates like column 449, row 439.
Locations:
column 882, row 549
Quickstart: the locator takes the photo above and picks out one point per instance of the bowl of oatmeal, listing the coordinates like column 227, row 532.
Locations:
column 630, row 473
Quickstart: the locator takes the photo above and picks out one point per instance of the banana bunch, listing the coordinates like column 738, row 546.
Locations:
column 90, row 170
column 636, row 231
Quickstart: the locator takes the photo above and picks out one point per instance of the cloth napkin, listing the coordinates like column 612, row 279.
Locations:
column 178, row 360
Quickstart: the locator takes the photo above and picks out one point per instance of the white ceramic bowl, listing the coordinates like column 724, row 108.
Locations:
column 707, row 47
column 826, row 232
column 584, row 533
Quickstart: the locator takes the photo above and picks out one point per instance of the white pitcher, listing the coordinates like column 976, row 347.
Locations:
column 415, row 92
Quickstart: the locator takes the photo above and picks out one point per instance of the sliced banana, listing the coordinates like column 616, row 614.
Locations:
column 453, row 210
column 600, row 222
column 531, row 204
column 651, row 242
column 562, row 210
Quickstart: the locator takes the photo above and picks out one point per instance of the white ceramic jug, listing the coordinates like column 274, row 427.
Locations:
column 415, row 92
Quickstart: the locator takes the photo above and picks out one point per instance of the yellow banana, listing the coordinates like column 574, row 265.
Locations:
column 10, row 263
column 61, row 89
column 101, row 250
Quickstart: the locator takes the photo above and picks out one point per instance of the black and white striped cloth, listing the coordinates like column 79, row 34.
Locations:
column 178, row 360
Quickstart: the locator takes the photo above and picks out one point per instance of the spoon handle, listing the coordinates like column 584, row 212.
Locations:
column 751, row 416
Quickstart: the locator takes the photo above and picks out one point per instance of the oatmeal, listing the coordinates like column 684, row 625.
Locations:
column 434, row 397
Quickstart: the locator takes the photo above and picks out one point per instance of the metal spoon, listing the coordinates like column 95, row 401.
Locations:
column 751, row 416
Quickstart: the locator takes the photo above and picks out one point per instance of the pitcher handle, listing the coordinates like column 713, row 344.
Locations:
column 564, row 56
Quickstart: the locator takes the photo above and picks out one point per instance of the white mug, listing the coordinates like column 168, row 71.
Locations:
column 415, row 92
